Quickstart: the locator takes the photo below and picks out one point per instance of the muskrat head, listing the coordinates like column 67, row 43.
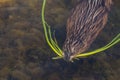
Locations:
column 70, row 55
column 73, row 47
column 67, row 56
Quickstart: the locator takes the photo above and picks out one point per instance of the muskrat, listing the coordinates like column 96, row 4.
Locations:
column 84, row 24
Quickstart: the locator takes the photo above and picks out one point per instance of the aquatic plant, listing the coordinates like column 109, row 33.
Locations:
column 54, row 46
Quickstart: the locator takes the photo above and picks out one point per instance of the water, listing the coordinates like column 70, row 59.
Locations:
column 25, row 55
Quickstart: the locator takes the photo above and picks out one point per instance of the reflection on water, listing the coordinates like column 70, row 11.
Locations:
column 25, row 55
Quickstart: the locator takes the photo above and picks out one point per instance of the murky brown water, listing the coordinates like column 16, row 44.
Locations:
column 25, row 55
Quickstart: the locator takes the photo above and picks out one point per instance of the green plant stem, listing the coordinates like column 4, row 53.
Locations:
column 53, row 42
column 49, row 41
column 112, row 43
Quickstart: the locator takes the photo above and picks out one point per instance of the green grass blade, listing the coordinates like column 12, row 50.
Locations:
column 53, row 42
column 112, row 43
column 45, row 29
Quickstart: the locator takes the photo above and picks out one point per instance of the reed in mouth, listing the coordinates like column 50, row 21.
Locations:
column 86, row 21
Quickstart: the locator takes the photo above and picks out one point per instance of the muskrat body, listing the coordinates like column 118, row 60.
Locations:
column 86, row 21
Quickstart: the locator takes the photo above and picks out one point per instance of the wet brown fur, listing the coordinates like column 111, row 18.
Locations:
column 86, row 21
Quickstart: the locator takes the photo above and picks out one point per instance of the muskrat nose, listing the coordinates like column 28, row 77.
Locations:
column 67, row 57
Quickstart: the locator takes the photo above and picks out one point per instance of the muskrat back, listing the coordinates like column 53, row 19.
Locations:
column 86, row 21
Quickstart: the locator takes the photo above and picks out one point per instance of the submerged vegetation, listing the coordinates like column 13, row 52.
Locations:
column 54, row 46
column 25, row 55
